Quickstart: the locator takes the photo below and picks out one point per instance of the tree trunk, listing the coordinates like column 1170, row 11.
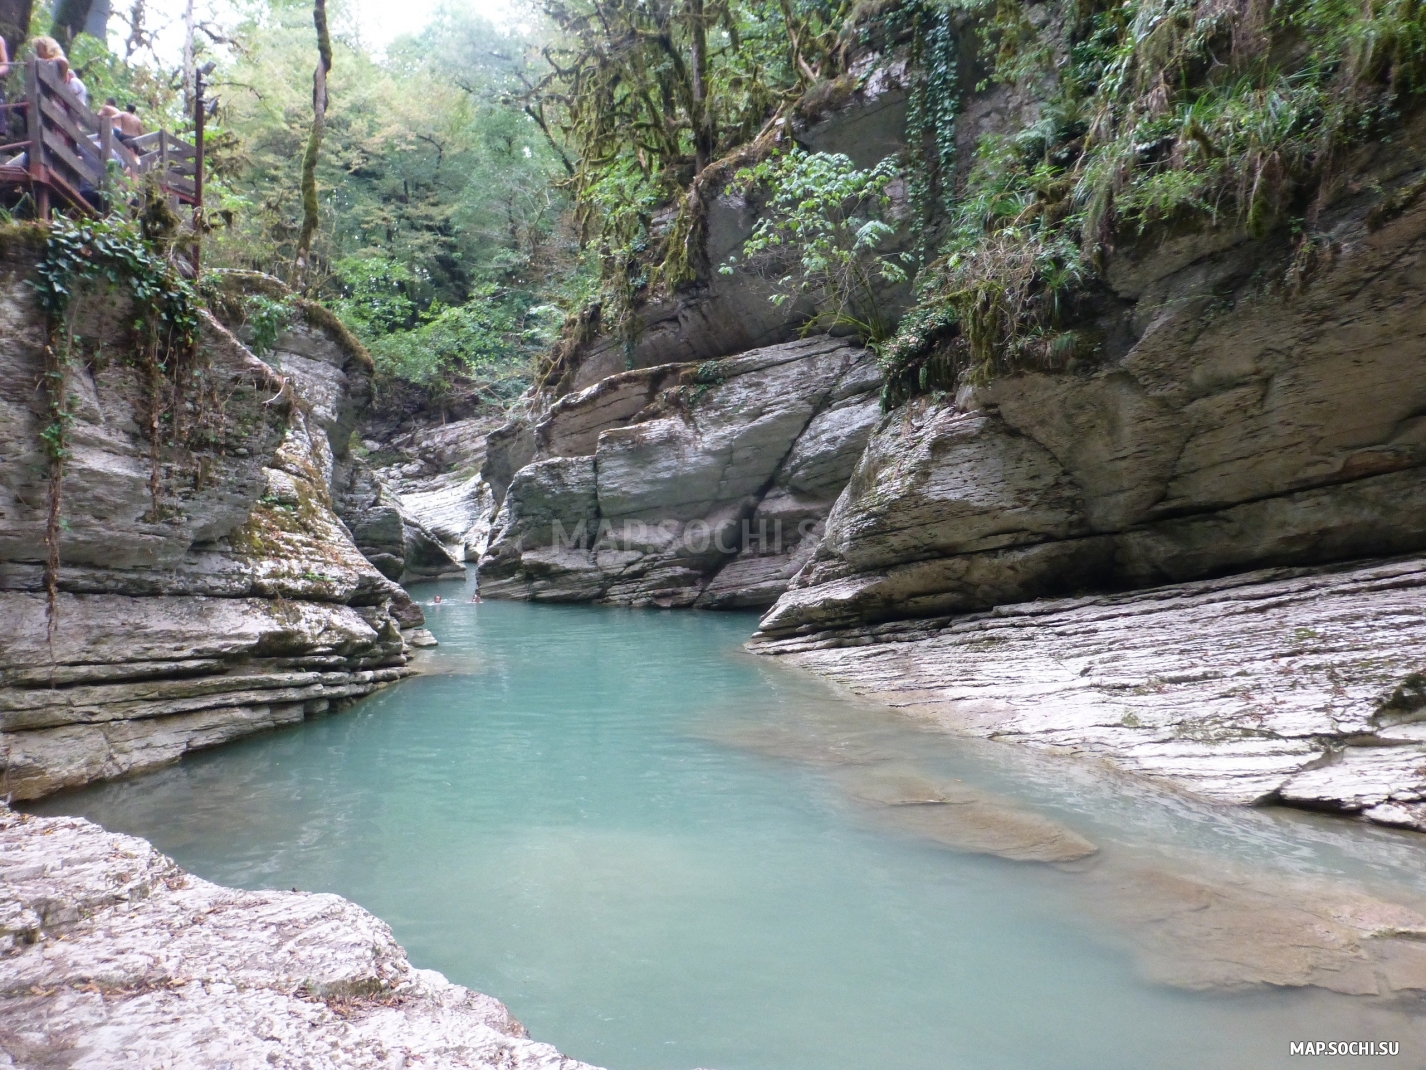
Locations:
column 69, row 18
column 190, row 62
column 702, row 116
column 314, row 140
column 15, row 23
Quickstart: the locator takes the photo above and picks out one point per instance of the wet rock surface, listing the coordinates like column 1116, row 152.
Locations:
column 1297, row 686
column 1190, row 918
column 1216, row 929
column 110, row 955
column 963, row 818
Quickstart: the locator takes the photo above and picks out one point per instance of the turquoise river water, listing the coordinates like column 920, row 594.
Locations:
column 637, row 836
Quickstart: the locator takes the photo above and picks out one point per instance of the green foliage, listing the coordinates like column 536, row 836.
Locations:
column 434, row 190
column 422, row 164
column 821, row 234
column 266, row 319
column 931, row 111
column 375, row 295
column 1160, row 116
column 620, row 100
column 491, row 340
column 112, row 250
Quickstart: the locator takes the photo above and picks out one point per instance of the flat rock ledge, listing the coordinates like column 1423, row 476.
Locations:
column 111, row 955
column 1298, row 686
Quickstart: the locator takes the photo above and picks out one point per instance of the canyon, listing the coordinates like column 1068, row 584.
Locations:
column 1195, row 555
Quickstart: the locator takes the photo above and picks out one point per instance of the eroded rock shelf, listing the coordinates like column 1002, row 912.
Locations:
column 1301, row 686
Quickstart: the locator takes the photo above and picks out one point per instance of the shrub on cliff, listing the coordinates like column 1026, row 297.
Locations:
column 822, row 235
column 1153, row 115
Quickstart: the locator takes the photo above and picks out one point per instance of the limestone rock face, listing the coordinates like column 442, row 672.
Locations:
column 1280, row 430
column 1302, row 686
column 435, row 472
column 328, row 369
column 111, row 955
column 386, row 531
column 206, row 591
column 685, row 484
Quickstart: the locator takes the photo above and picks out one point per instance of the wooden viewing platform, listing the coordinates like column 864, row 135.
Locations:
column 63, row 159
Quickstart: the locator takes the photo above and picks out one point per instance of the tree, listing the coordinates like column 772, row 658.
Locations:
column 72, row 17
column 314, row 140
column 15, row 23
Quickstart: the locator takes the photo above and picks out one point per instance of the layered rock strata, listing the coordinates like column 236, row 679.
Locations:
column 393, row 536
column 435, row 474
column 685, row 484
column 1299, row 686
column 1264, row 428
column 332, row 373
column 205, row 590
column 110, row 955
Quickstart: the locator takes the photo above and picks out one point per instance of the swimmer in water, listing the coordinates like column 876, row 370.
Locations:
column 436, row 601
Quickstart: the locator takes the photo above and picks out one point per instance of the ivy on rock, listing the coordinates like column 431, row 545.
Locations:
column 88, row 256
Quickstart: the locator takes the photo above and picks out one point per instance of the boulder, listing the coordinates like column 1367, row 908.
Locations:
column 112, row 955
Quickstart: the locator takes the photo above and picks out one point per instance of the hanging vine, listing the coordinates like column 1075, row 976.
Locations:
column 82, row 256
column 931, row 110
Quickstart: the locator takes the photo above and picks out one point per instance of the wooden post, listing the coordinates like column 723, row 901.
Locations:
column 163, row 187
column 34, row 131
column 106, row 146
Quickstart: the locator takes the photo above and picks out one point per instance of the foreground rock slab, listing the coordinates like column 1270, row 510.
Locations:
column 1291, row 685
column 110, row 955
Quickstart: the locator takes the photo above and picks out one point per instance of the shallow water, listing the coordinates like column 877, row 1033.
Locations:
column 641, row 839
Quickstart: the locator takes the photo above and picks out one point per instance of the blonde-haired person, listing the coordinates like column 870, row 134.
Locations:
column 47, row 48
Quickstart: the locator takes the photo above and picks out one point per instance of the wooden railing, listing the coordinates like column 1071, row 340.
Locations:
column 65, row 154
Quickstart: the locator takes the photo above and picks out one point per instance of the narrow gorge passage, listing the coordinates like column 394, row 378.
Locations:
column 662, row 853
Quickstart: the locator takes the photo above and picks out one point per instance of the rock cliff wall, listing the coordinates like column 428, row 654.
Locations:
column 701, row 458
column 1253, row 403
column 220, row 598
column 332, row 373
column 434, row 472
column 1244, row 427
